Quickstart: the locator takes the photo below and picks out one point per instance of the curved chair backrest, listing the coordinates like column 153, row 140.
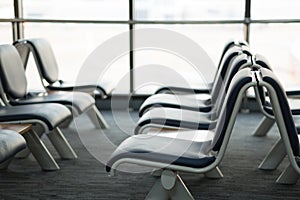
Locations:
column 43, row 55
column 281, row 108
column 259, row 61
column 229, row 45
column 237, row 63
column 230, row 106
column 12, row 73
column 227, row 59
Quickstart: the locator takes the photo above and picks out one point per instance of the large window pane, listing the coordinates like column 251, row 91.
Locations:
column 5, row 33
column 280, row 44
column 270, row 9
column 76, row 9
column 189, row 9
column 6, row 9
column 73, row 45
column 211, row 38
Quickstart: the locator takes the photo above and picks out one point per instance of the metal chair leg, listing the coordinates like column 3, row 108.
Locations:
column 169, row 186
column 264, row 126
column 274, row 157
column 40, row 152
column 61, row 145
column 97, row 118
column 288, row 176
column 215, row 173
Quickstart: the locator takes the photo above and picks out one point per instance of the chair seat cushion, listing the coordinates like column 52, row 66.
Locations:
column 81, row 101
column 51, row 114
column 166, row 150
column 177, row 90
column 11, row 143
column 171, row 117
column 187, row 102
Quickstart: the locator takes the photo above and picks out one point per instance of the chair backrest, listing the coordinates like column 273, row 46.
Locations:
column 280, row 107
column 259, row 61
column 241, row 81
column 228, row 45
column 12, row 73
column 219, row 78
column 237, row 63
column 43, row 56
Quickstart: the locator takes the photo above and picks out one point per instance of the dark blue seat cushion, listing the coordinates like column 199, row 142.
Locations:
column 163, row 150
column 176, row 118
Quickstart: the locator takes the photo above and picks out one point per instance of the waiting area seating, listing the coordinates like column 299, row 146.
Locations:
column 198, row 151
column 172, row 117
column 46, row 119
column 185, row 135
column 14, row 89
column 176, row 155
column 46, row 112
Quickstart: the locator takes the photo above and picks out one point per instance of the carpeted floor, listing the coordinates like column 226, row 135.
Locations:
column 85, row 178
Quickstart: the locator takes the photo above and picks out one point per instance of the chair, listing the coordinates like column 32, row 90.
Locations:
column 174, row 155
column 11, row 143
column 197, row 102
column 268, row 120
column 164, row 117
column 46, row 119
column 48, row 68
column 288, row 144
column 14, row 86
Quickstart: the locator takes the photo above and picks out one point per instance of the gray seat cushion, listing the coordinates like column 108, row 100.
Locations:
column 176, row 118
column 81, row 101
column 51, row 114
column 11, row 143
column 164, row 150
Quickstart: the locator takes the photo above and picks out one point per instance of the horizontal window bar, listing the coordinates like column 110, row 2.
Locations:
column 263, row 21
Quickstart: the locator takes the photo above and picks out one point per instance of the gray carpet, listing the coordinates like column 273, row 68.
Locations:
column 85, row 178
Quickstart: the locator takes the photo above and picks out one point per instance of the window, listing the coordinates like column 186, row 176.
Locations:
column 76, row 9
column 280, row 44
column 269, row 9
column 189, row 10
column 6, row 12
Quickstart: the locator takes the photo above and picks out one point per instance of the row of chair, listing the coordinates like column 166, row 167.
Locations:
column 199, row 138
column 197, row 111
column 46, row 111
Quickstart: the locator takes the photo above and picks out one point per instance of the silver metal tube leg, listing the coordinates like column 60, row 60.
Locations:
column 61, row 145
column 40, row 152
column 274, row 157
column 264, row 126
column 288, row 176
column 215, row 173
column 169, row 186
column 157, row 192
column 97, row 118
